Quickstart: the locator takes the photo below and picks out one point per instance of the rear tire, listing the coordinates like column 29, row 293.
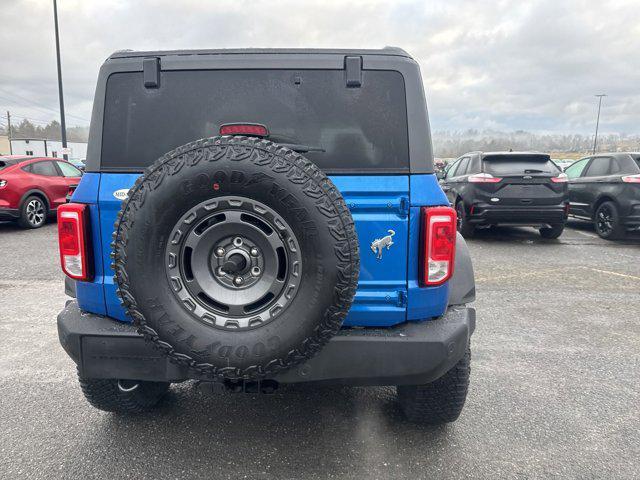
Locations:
column 122, row 396
column 33, row 213
column 553, row 232
column 607, row 221
column 466, row 229
column 440, row 401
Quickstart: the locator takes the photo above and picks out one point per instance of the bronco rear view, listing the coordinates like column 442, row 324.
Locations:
column 251, row 218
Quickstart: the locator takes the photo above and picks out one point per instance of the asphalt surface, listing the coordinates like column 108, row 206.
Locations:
column 554, row 390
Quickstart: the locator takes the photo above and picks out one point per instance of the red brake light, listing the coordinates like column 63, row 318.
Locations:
column 72, row 239
column 438, row 245
column 250, row 129
column 631, row 179
column 483, row 178
column 561, row 178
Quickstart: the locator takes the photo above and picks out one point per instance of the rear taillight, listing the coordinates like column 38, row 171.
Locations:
column 438, row 245
column 72, row 238
column 631, row 179
column 483, row 178
column 561, row 178
column 249, row 129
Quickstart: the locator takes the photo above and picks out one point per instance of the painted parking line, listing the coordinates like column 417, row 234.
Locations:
column 547, row 272
column 609, row 272
column 586, row 234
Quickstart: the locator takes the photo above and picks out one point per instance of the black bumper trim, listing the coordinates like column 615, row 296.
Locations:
column 9, row 213
column 485, row 214
column 411, row 353
column 631, row 222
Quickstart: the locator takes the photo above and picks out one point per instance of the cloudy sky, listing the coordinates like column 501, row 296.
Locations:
column 507, row 65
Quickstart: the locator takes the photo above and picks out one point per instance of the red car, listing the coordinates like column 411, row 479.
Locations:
column 32, row 188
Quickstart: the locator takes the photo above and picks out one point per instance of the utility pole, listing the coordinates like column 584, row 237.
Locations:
column 595, row 140
column 9, row 132
column 63, row 126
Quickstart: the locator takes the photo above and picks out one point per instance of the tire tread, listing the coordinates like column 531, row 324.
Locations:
column 440, row 401
column 299, row 170
column 105, row 395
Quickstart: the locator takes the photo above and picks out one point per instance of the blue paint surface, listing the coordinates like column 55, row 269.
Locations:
column 379, row 204
column 388, row 291
column 90, row 295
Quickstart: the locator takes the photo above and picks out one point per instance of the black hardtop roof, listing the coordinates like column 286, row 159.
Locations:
column 384, row 59
column 388, row 51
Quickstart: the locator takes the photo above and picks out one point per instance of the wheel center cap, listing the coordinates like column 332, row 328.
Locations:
column 236, row 263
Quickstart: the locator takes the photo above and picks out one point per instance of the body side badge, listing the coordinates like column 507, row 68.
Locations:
column 121, row 194
column 379, row 243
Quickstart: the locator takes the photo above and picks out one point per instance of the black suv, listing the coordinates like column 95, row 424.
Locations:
column 507, row 188
column 605, row 188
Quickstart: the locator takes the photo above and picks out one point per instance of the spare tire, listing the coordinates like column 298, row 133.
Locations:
column 236, row 257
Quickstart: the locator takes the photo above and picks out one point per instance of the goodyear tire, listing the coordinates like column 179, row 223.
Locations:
column 123, row 396
column 236, row 257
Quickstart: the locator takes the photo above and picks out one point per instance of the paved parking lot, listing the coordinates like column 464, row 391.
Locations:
column 555, row 385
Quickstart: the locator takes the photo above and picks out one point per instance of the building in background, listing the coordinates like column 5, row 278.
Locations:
column 48, row 148
column 4, row 145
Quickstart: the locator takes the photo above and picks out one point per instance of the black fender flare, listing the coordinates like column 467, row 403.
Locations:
column 462, row 286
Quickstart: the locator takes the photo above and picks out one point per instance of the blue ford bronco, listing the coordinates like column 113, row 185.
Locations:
column 250, row 218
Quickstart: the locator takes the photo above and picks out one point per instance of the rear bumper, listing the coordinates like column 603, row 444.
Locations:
column 411, row 353
column 486, row 214
column 9, row 214
column 631, row 221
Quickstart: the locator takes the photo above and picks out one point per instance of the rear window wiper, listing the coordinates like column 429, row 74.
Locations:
column 297, row 147
column 533, row 170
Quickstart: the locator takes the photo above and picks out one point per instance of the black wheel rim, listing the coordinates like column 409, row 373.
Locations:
column 604, row 220
column 233, row 263
column 35, row 212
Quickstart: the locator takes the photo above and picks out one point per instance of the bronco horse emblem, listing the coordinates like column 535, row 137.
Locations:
column 379, row 243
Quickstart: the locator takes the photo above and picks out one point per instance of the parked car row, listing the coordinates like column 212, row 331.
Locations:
column 605, row 188
column 32, row 188
column 529, row 189
column 486, row 188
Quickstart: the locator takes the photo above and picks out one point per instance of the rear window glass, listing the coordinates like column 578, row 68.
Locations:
column 358, row 128
column 519, row 164
column 6, row 162
column 637, row 159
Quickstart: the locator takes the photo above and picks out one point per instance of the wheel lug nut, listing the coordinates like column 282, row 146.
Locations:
column 237, row 241
column 255, row 271
column 254, row 252
column 238, row 280
column 219, row 251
